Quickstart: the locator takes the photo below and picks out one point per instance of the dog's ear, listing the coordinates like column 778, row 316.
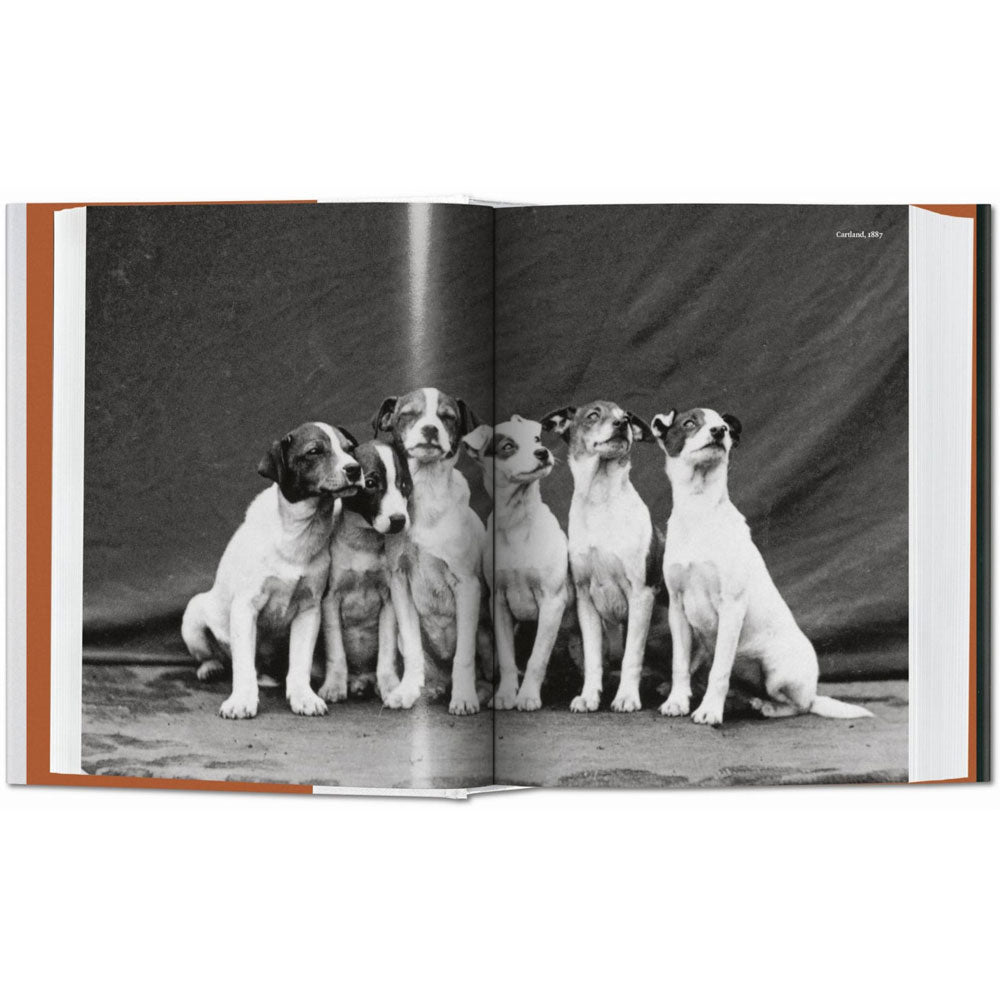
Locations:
column 468, row 421
column 478, row 441
column 382, row 421
column 352, row 441
column 661, row 423
column 272, row 465
column 735, row 427
column 641, row 431
column 558, row 421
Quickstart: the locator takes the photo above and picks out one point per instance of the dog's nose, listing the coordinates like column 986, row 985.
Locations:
column 396, row 523
column 542, row 454
column 718, row 433
column 430, row 432
column 353, row 472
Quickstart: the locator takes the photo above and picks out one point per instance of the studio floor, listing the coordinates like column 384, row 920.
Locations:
column 162, row 722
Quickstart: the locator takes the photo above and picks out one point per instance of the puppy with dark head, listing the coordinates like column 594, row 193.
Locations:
column 721, row 593
column 272, row 576
column 436, row 569
column 359, row 624
column 526, row 566
column 614, row 552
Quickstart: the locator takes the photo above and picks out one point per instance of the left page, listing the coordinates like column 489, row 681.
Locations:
column 214, row 335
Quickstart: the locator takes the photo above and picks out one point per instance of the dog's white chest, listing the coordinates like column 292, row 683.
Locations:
column 527, row 559
column 705, row 560
column 698, row 587
column 608, row 548
column 360, row 578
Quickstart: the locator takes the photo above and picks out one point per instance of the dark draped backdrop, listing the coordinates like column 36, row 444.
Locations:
column 763, row 312
column 213, row 330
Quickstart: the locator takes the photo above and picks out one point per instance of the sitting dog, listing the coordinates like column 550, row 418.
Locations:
column 526, row 566
column 436, row 568
column 359, row 624
column 614, row 552
column 720, row 590
column 271, row 578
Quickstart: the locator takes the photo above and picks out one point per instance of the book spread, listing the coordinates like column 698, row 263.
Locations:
column 438, row 497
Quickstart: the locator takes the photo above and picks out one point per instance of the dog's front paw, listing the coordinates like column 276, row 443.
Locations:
column 402, row 696
column 239, row 705
column 306, row 702
column 529, row 699
column 334, row 689
column 588, row 701
column 626, row 701
column 463, row 702
column 676, row 705
column 210, row 670
column 386, row 683
column 708, row 715
column 505, row 697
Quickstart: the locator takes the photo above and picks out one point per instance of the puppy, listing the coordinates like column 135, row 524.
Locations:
column 271, row 578
column 436, row 568
column 614, row 552
column 527, row 565
column 720, row 590
column 359, row 624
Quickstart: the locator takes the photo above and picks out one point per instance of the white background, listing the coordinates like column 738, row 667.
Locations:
column 805, row 893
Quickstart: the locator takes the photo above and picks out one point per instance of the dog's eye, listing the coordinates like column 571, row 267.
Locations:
column 689, row 424
column 371, row 483
column 405, row 489
column 506, row 448
column 448, row 416
column 314, row 450
column 592, row 416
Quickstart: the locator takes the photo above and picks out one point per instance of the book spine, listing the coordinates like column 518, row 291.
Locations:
column 984, row 354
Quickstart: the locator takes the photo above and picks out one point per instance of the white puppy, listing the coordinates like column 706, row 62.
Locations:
column 614, row 552
column 527, row 565
column 720, row 590
column 271, row 578
column 436, row 567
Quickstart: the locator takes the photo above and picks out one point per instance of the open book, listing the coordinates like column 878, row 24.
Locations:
column 433, row 497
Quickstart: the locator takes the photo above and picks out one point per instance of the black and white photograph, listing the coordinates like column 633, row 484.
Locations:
column 441, row 496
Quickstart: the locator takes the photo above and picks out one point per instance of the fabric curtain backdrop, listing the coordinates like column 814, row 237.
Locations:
column 211, row 331
column 760, row 311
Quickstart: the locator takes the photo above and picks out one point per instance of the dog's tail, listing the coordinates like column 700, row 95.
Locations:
column 831, row 708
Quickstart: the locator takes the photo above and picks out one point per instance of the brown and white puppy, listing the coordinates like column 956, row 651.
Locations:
column 359, row 624
column 721, row 593
column 436, row 567
column 526, row 566
column 614, row 552
column 272, row 575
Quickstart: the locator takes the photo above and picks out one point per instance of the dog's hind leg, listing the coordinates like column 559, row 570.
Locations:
column 199, row 640
column 774, row 709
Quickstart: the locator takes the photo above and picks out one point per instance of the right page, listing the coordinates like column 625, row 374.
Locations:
column 742, row 371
